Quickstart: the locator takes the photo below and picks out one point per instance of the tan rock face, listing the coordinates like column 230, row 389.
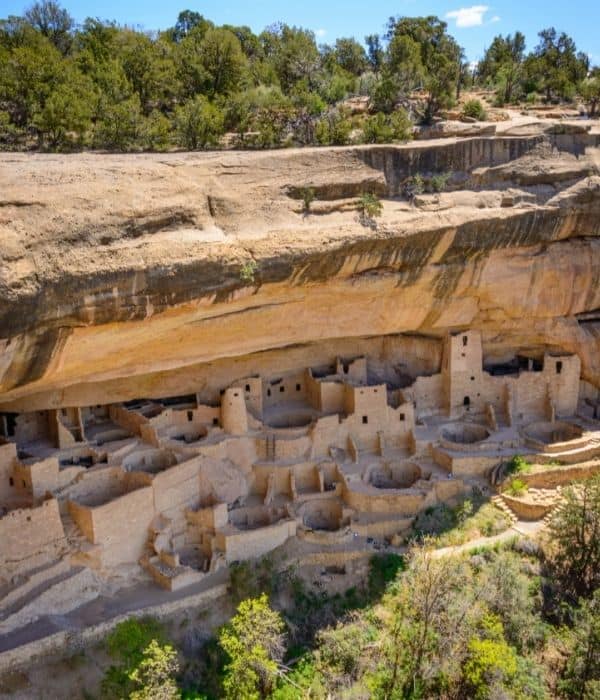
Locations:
column 122, row 276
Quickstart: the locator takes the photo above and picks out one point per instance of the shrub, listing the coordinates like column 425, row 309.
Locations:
column 383, row 569
column 517, row 465
column 381, row 128
column 199, row 124
column 128, row 644
column 401, row 125
column 254, row 642
column 370, row 206
column 517, row 487
column 474, row 109
column 308, row 196
column 574, row 557
column 154, row 677
column 248, row 271
column 334, row 128
column 413, row 186
column 439, row 182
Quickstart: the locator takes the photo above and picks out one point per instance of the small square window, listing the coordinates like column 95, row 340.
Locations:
column 281, row 389
column 235, row 394
column 190, row 416
column 365, row 419
column 215, row 421
column 11, row 481
column 402, row 416
column 298, row 387
column 465, row 341
column 247, row 387
column 558, row 367
column 268, row 392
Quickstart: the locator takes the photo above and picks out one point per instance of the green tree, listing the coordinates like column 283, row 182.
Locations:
column 491, row 661
column 370, row 206
column 26, row 78
column 556, row 65
column 375, row 51
column 67, row 112
column 574, row 541
column 53, row 21
column 199, row 124
column 254, row 643
column 223, row 61
column 502, row 65
column 382, row 128
column 333, row 129
column 590, row 90
column 156, row 131
column 350, row 56
column 294, row 54
column 340, row 651
column 421, row 54
column 119, row 126
column 426, row 627
column 187, row 21
column 210, row 61
column 581, row 676
column 154, row 677
column 127, row 645
column 148, row 67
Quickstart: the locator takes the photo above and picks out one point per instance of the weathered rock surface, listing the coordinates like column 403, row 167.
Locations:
column 120, row 275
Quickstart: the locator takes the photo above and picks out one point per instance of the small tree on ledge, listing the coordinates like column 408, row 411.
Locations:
column 370, row 207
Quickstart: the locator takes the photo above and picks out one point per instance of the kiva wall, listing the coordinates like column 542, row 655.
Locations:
column 249, row 544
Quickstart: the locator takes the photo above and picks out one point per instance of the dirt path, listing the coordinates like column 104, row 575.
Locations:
column 521, row 527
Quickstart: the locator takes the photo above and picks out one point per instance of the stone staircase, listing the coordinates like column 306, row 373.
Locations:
column 557, row 508
column 500, row 503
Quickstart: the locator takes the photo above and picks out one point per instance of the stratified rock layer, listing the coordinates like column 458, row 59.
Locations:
column 123, row 276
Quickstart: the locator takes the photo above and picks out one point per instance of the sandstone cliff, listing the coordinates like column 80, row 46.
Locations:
column 120, row 276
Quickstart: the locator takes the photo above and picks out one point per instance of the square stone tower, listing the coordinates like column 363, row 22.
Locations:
column 462, row 372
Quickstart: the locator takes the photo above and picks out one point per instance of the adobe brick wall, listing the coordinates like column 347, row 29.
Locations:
column 128, row 420
column 27, row 532
column 122, row 526
column 405, row 502
column 177, row 488
column 46, row 476
column 248, row 544
column 551, row 477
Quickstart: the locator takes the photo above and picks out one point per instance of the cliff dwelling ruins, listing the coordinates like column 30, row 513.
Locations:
column 182, row 486
column 195, row 372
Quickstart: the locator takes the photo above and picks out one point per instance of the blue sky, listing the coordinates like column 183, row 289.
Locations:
column 474, row 23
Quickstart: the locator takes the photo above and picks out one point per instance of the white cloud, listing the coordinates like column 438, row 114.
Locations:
column 320, row 33
column 468, row 16
column 495, row 18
